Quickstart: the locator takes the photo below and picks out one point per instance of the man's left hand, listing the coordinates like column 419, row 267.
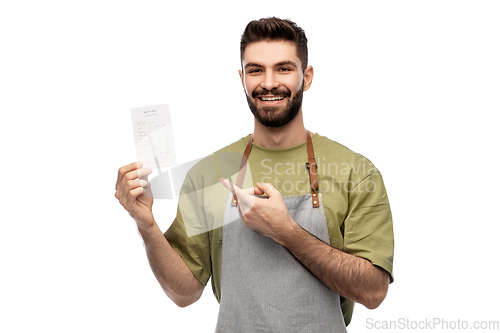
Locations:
column 267, row 216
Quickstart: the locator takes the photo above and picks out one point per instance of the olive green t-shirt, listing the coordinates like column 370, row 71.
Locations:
column 353, row 194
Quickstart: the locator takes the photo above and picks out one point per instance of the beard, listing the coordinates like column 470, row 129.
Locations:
column 272, row 116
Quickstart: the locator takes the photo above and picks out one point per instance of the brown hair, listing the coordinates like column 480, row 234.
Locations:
column 275, row 29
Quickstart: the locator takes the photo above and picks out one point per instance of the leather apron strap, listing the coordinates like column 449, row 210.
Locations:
column 313, row 171
column 310, row 165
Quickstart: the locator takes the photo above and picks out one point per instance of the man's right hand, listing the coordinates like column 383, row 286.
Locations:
column 134, row 193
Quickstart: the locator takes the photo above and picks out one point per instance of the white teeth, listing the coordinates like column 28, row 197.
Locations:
column 268, row 99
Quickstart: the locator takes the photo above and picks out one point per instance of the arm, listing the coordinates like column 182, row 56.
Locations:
column 349, row 276
column 171, row 271
column 352, row 277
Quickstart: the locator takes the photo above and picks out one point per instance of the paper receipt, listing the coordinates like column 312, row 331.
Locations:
column 154, row 142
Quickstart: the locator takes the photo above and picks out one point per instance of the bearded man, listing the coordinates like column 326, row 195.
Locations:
column 288, row 248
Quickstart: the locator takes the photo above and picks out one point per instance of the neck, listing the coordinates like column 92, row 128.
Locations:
column 286, row 136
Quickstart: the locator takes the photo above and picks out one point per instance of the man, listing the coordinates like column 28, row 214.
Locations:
column 290, row 244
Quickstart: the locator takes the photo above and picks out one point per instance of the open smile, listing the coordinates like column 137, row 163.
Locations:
column 271, row 99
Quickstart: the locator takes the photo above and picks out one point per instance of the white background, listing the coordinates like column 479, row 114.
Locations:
column 412, row 85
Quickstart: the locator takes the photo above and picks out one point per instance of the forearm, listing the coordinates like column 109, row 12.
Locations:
column 170, row 270
column 349, row 276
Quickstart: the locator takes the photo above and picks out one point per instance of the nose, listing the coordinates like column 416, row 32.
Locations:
column 269, row 81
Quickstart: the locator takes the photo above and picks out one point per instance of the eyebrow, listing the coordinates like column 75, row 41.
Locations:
column 281, row 63
column 288, row 62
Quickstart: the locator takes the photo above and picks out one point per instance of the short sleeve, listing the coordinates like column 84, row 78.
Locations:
column 194, row 248
column 368, row 231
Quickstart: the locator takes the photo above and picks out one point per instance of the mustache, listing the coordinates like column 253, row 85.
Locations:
column 275, row 91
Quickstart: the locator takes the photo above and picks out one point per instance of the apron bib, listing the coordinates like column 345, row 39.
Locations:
column 264, row 288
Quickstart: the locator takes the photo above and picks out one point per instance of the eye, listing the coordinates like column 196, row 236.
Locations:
column 254, row 71
column 284, row 69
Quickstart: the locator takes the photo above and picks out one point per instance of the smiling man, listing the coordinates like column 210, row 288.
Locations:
column 288, row 249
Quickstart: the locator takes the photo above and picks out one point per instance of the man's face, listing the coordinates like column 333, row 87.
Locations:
column 273, row 81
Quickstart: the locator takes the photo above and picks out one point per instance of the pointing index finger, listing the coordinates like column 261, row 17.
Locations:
column 236, row 190
column 245, row 197
column 229, row 185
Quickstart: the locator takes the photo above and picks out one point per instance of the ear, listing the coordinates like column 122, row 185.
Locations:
column 242, row 77
column 308, row 77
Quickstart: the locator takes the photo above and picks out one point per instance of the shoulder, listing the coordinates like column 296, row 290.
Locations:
column 335, row 154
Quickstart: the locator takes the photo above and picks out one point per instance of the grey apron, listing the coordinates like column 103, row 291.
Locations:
column 264, row 288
